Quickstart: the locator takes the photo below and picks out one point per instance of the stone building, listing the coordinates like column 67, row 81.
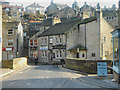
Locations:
column 76, row 8
column 34, row 8
column 52, row 43
column 66, row 12
column 54, row 7
column 3, row 2
column 15, row 12
column 0, row 34
column 111, row 16
column 87, row 10
column 12, row 40
column 90, row 39
column 33, row 40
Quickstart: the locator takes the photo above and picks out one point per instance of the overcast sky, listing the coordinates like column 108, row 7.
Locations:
column 46, row 3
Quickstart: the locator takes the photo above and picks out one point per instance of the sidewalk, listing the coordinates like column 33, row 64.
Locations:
column 4, row 72
column 103, row 82
column 93, row 79
column 7, row 71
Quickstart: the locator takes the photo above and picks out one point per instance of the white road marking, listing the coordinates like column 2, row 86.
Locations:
column 28, row 84
column 11, row 83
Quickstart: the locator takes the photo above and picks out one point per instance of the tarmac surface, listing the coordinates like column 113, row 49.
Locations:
column 54, row 76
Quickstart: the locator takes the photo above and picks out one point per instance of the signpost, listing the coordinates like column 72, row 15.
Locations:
column 102, row 69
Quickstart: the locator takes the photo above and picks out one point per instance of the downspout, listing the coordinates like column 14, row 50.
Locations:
column 85, row 40
column 66, row 45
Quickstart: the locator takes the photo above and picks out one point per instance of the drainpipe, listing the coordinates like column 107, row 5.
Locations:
column 66, row 45
column 85, row 40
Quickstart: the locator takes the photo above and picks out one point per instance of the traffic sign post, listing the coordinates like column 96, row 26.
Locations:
column 102, row 69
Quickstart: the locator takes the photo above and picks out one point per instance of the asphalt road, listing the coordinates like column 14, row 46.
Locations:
column 44, row 76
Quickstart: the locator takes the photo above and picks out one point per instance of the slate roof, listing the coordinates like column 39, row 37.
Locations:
column 59, row 28
column 109, row 13
column 62, row 28
column 35, row 5
column 59, row 5
column 47, row 22
column 10, row 6
column 69, row 19
column 80, row 46
column 93, row 9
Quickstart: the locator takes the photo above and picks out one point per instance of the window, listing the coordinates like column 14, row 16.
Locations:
column 10, row 39
column 42, row 54
column 83, row 55
column 69, row 16
column 60, row 53
column 107, row 18
column 56, row 40
column 35, row 42
column 10, row 43
column 57, row 54
column 31, row 42
column 60, row 40
column 10, row 32
column 7, row 9
column 24, row 34
column 45, row 41
column 93, row 54
column 53, row 55
column 116, row 52
column 104, row 39
column 42, row 41
column 112, row 18
column 77, row 56
column 111, row 40
column 51, row 40
column 20, row 10
column 45, row 54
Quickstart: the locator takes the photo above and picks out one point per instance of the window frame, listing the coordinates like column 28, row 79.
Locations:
column 10, row 45
column 11, row 31
column 93, row 54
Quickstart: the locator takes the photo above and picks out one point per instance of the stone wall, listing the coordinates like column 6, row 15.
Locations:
column 116, row 76
column 14, row 63
column 85, row 66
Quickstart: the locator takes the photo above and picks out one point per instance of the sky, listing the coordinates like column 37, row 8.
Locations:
column 46, row 3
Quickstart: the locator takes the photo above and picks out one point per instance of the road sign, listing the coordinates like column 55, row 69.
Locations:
column 102, row 69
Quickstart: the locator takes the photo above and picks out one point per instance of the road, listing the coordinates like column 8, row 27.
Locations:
column 45, row 76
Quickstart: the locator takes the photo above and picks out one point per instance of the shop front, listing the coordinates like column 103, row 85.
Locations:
column 116, row 54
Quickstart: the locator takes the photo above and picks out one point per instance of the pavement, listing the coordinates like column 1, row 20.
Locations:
column 93, row 79
column 6, row 71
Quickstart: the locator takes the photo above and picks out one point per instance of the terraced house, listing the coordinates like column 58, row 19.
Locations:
column 35, row 30
column 15, row 12
column 12, row 40
column 90, row 39
column 52, row 43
